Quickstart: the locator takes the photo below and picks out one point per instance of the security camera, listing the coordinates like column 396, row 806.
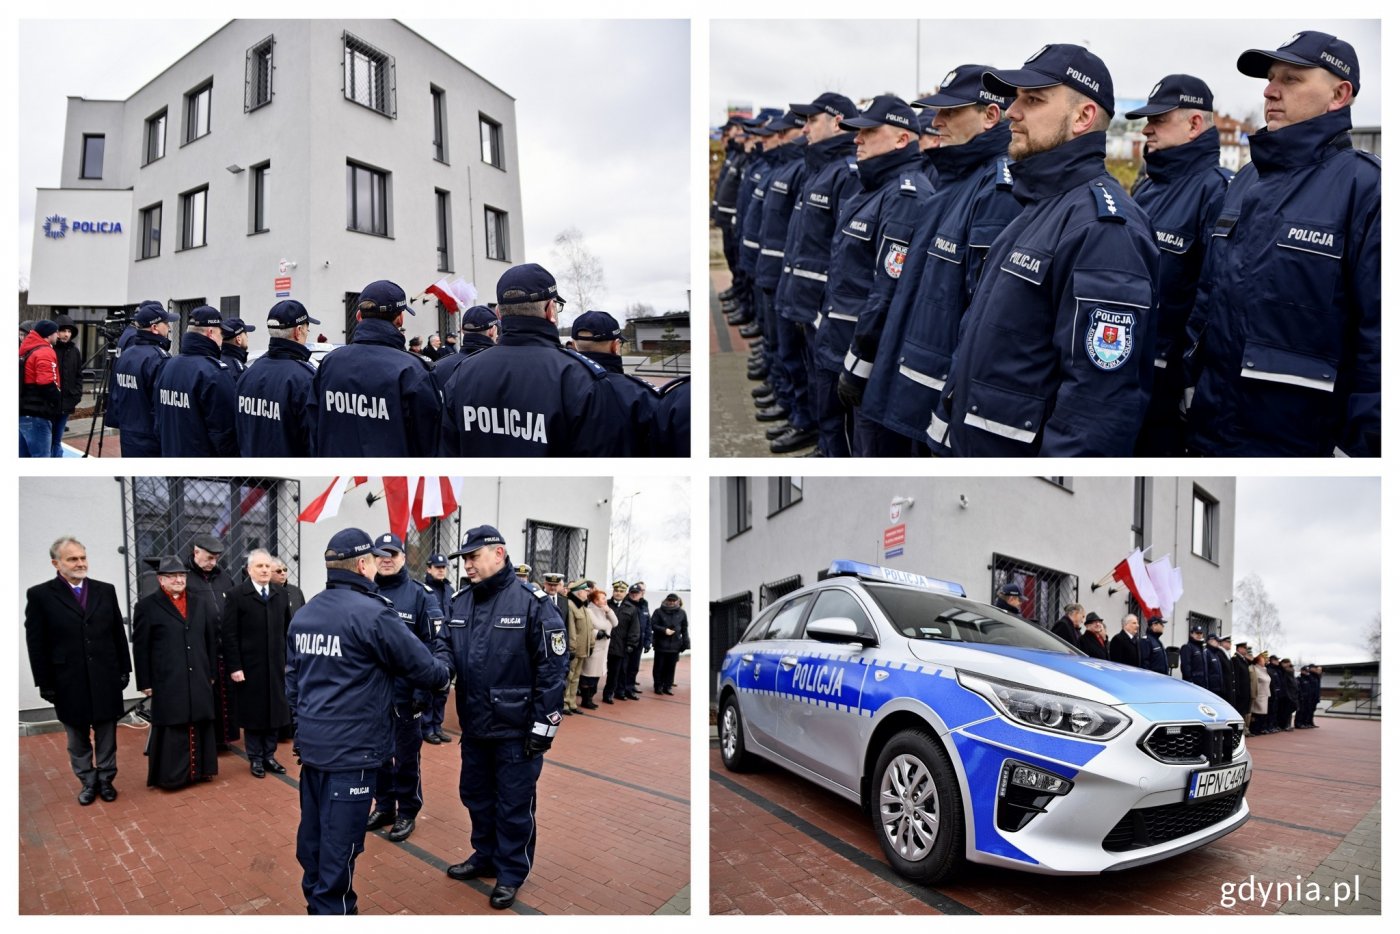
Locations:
column 962, row 500
column 328, row 264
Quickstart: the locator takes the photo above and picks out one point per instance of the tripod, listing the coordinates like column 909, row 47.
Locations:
column 102, row 361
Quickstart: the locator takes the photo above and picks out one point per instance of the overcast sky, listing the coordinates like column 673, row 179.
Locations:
column 1316, row 544
column 660, row 546
column 771, row 63
column 573, row 82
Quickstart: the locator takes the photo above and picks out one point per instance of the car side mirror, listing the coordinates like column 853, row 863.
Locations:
column 838, row 629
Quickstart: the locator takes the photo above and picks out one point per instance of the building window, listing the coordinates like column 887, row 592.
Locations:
column 444, row 231
column 559, row 549
column 150, row 231
column 776, row 590
column 492, row 149
column 439, row 124
column 1064, row 483
column 228, row 306
column 155, row 139
column 94, row 145
column 197, row 104
column 258, row 196
column 192, row 219
column 1209, row 623
column 369, row 76
column 736, row 506
column 257, row 76
column 497, row 235
column 1045, row 591
column 783, row 492
column 1205, row 526
column 366, row 200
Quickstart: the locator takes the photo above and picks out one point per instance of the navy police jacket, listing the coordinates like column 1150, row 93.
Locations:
column 236, row 358
column 372, row 398
column 472, row 343
column 780, row 194
column 529, row 396
column 132, row 404
column 510, row 656
column 672, row 432
column 1287, row 325
column 1193, row 663
column 638, row 398
column 749, row 207
column 1182, row 195
column 421, row 615
column 868, row 249
column 914, row 349
column 274, row 403
column 344, row 648
column 1154, row 657
column 831, row 175
column 1055, row 356
column 731, row 176
column 195, row 402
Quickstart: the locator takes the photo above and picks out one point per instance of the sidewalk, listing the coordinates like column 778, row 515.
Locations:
column 613, row 810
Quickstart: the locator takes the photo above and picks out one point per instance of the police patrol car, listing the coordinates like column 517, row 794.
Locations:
column 970, row 734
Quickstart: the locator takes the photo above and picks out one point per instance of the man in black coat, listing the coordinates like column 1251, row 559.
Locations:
column 254, row 637
column 1219, row 650
column 637, row 596
column 626, row 636
column 78, row 655
column 70, row 376
column 1093, row 642
column 1154, row 656
column 295, row 598
column 1071, row 625
column 1288, row 702
column 1193, row 659
column 1123, row 648
column 212, row 582
column 1240, row 663
column 670, row 634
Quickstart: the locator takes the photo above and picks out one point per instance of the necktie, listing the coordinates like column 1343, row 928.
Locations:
column 263, row 591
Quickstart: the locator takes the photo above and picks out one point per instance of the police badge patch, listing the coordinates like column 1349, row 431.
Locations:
column 556, row 642
column 1110, row 338
column 894, row 258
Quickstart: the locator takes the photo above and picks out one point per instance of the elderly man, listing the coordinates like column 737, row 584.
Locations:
column 196, row 397
column 206, row 577
column 1069, row 626
column 1287, row 329
column 254, row 639
column 1123, row 648
column 77, row 653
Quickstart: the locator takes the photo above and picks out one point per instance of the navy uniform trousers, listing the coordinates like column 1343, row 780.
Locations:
column 334, row 809
column 398, row 784
column 498, row 788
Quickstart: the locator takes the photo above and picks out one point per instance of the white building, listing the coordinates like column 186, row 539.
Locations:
column 553, row 525
column 1054, row 536
column 284, row 158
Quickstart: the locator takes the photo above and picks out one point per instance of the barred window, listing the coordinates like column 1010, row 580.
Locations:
column 557, row 549
column 369, row 76
column 257, row 76
column 1045, row 591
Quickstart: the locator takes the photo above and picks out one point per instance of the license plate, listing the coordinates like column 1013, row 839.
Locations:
column 1208, row 783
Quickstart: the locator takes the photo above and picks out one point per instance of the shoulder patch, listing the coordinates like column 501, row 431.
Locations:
column 597, row 370
column 222, row 364
column 382, row 599
column 539, row 594
column 1107, row 204
column 307, row 364
column 1003, row 170
column 1227, row 174
column 638, row 379
column 160, row 350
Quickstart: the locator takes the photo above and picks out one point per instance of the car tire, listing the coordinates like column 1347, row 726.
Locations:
column 916, row 808
column 731, row 737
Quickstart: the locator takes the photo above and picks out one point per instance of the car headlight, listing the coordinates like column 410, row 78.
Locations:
column 1048, row 710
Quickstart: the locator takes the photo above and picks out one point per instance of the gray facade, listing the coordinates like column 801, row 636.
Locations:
column 343, row 109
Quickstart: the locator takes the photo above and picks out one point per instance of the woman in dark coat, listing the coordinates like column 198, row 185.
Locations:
column 175, row 636
column 254, row 634
column 670, row 636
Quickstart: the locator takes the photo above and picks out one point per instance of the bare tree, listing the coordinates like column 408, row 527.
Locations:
column 1373, row 637
column 580, row 271
column 1257, row 614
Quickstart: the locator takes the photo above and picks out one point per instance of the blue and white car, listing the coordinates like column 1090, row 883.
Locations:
column 968, row 733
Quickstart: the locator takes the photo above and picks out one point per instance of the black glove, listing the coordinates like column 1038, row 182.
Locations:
column 536, row 744
column 48, row 694
column 850, row 390
column 296, row 750
column 125, row 678
column 603, row 635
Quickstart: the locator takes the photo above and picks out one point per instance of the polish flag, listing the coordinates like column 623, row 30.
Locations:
column 463, row 291
column 396, row 497
column 435, row 497
column 443, row 290
column 1131, row 572
column 327, row 504
column 1166, row 580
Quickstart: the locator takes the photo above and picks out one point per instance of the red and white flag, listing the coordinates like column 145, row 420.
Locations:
column 463, row 291
column 1131, row 572
column 435, row 497
column 249, row 496
column 443, row 290
column 1166, row 580
column 327, row 504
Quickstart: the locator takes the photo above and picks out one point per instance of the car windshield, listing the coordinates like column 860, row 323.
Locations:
column 921, row 614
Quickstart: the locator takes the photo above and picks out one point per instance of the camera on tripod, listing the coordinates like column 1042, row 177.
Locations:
column 111, row 327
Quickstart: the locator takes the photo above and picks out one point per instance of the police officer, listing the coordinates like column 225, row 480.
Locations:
column 234, row 351
column 344, row 650
column 131, row 406
column 1193, row 659
column 637, row 596
column 1182, row 194
column 1154, row 656
column 529, row 396
column 1055, row 355
column 755, row 170
column 1009, row 598
column 867, row 257
column 598, row 336
column 1287, row 330
column 831, row 174
column 441, row 589
column 479, row 329
column 672, row 431
column 727, row 181
column 195, row 394
column 510, row 657
column 275, row 394
column 929, row 141
column 373, row 398
column 912, row 347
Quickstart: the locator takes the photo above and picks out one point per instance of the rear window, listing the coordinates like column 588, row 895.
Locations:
column 918, row 614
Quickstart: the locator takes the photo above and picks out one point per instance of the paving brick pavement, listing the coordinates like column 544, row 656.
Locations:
column 613, row 811
column 780, row 845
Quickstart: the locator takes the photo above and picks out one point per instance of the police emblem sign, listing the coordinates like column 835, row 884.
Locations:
column 894, row 258
column 1110, row 338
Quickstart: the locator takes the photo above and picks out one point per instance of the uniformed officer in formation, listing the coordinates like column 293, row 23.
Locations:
column 234, row 350
column 1182, row 193
column 344, row 650
column 529, row 396
column 274, row 416
column 598, row 336
column 480, row 327
column 509, row 653
column 373, row 398
column 672, row 433
column 1287, row 329
column 1055, row 358
column 441, row 589
column 131, row 405
column 196, row 395
column 398, row 795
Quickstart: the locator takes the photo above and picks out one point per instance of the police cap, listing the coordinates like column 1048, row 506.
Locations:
column 288, row 313
column 885, row 110
column 1175, row 91
column 788, row 121
column 1009, row 589
column 1198, row 628
column 210, row 543
column 1156, row 620
column 528, row 282
column 1310, row 49
column 206, row 316
column 838, row 105
column 437, row 560
column 479, row 318
column 1063, row 63
column 763, row 118
column 385, row 296
column 352, row 543
column 166, row 564
column 635, row 588
column 149, row 313
column 389, row 542
column 963, row 86
column 232, row 327
column 596, row 326
column 925, row 121
column 479, row 538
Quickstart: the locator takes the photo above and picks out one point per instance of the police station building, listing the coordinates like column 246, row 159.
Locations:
column 1054, row 537
column 284, row 159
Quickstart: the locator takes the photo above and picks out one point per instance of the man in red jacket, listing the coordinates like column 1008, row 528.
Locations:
column 40, row 402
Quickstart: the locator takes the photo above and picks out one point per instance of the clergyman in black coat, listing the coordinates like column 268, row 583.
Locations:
column 254, row 638
column 78, row 655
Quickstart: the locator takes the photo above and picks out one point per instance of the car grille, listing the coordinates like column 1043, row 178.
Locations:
column 1151, row 826
column 1193, row 744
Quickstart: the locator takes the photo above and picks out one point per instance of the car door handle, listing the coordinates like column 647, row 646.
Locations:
column 788, row 661
column 746, row 658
